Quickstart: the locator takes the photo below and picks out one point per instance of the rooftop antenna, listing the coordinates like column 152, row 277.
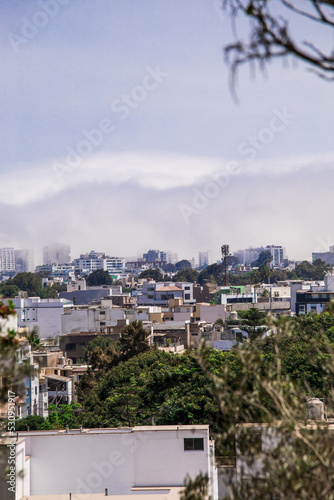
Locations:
column 225, row 249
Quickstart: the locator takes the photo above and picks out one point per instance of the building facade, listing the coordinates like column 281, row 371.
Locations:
column 56, row 253
column 7, row 259
column 125, row 461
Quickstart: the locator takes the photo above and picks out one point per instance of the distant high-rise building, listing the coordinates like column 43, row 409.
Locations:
column 172, row 257
column 56, row 253
column 92, row 261
column 250, row 255
column 7, row 259
column 278, row 254
column 203, row 259
column 154, row 255
column 327, row 257
column 24, row 261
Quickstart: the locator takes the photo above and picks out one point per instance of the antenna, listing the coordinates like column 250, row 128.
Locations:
column 225, row 249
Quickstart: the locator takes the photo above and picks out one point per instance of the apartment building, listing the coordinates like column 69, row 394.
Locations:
column 160, row 293
column 45, row 314
column 7, row 259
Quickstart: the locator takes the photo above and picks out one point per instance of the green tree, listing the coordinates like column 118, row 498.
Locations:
column 12, row 373
column 196, row 489
column 189, row 275
column 52, row 291
column 8, row 291
column 316, row 271
column 134, row 340
column 182, row 264
column 254, row 319
column 154, row 274
column 169, row 268
column 214, row 271
column 99, row 277
column 32, row 423
column 264, row 257
column 27, row 282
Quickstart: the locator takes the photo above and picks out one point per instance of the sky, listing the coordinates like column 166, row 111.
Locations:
column 120, row 133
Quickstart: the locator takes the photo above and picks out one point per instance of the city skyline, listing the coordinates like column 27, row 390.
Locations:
column 118, row 126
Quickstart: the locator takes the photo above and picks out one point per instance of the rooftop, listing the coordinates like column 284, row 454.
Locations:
column 171, row 288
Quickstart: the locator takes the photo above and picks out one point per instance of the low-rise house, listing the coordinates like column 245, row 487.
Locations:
column 137, row 461
column 314, row 297
column 92, row 318
column 160, row 293
column 73, row 344
column 45, row 314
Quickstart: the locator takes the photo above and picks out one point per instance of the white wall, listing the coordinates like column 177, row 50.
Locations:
column 89, row 319
column 117, row 459
column 42, row 313
column 210, row 314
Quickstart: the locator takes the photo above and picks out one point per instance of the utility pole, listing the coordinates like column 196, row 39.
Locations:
column 225, row 249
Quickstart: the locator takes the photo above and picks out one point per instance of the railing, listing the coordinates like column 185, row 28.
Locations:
column 223, row 461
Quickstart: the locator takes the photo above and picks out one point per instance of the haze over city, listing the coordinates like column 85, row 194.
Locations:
column 118, row 122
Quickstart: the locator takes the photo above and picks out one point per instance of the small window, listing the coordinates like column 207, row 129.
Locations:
column 193, row 444
column 187, row 296
column 70, row 347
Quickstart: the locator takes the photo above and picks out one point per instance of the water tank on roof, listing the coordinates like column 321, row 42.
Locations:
column 315, row 409
column 233, row 316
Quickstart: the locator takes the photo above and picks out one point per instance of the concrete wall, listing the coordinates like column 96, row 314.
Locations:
column 45, row 314
column 117, row 459
column 90, row 319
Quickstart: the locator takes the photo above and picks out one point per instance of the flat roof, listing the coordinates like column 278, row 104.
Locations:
column 153, row 493
column 115, row 430
column 60, row 378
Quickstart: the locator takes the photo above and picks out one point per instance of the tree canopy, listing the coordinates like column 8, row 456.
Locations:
column 154, row 274
column 190, row 275
column 98, row 277
column 182, row 264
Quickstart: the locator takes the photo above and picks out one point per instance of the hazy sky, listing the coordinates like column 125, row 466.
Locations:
column 119, row 134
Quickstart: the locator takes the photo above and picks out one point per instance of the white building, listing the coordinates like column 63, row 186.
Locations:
column 87, row 263
column 7, row 259
column 45, row 314
column 141, row 461
column 56, row 253
column 24, row 261
column 160, row 293
column 278, row 254
column 203, row 259
column 36, row 395
column 90, row 318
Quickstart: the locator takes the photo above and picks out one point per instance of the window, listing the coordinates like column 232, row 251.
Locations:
column 193, row 444
column 70, row 347
column 187, row 296
column 187, row 287
column 35, row 389
column 102, row 323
